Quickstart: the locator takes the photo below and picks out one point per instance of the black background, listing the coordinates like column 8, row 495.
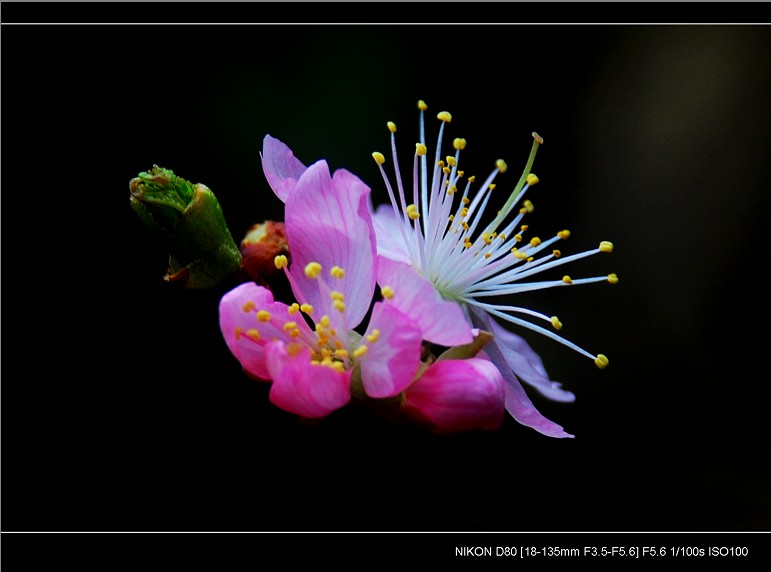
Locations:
column 123, row 409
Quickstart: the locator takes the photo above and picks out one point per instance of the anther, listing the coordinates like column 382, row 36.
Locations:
column 556, row 253
column 388, row 292
column 567, row 279
column 531, row 179
column 535, row 241
column 238, row 331
column 392, row 126
column 528, row 205
column 422, row 105
column 502, row 166
column 444, row 116
column 263, row 316
column 280, row 261
column 335, row 295
column 341, row 354
column 450, row 161
column 537, row 138
column 374, row 336
column 337, row 272
column 253, row 335
column 249, row 306
column 325, row 321
column 563, row 234
column 612, row 278
column 294, row 308
column 459, row 144
column 555, row 321
column 601, row 361
column 312, row 270
column 360, row 351
column 289, row 326
column 606, row 246
column 491, row 186
column 339, row 305
column 412, row 212
column 420, row 149
column 307, row 308
column 378, row 157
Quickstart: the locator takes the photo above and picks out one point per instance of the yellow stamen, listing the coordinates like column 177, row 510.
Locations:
column 420, row 149
column 487, row 255
column 531, row 179
column 472, row 178
column 555, row 321
column 294, row 334
column 388, row 292
column 446, row 171
column 263, row 316
column 337, row 272
column 556, row 253
column 312, row 270
column 606, row 246
column 290, row 326
column 450, row 160
column 528, row 205
column 341, row 354
column 567, row 279
column 391, row 126
column 280, row 261
column 502, row 166
column 294, row 349
column 601, row 361
column 537, row 138
column 339, row 306
column 412, row 212
column 518, row 237
column 307, row 308
column 491, row 186
column 294, row 308
column 523, row 228
column 238, row 331
column 335, row 295
column 422, row 105
column 249, row 306
column 360, row 351
column 563, row 234
column 325, row 321
column 374, row 336
column 612, row 278
column 444, row 116
column 535, row 241
column 378, row 157
column 459, row 144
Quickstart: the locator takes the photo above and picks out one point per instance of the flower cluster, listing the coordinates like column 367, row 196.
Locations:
column 395, row 306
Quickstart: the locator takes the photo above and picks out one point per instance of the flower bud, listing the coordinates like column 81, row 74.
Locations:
column 189, row 220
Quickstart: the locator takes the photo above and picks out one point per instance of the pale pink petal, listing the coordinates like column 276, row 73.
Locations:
column 442, row 322
column 282, row 169
column 390, row 241
column 526, row 364
column 302, row 388
column 238, row 310
column 517, row 402
column 393, row 358
column 458, row 395
column 327, row 221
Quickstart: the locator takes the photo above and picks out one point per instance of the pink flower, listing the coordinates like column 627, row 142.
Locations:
column 438, row 245
column 458, row 395
column 310, row 349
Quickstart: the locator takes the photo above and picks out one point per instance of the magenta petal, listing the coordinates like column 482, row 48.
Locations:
column 328, row 221
column 282, row 169
column 234, row 322
column 442, row 322
column 390, row 242
column 392, row 360
column 302, row 388
column 526, row 364
column 459, row 395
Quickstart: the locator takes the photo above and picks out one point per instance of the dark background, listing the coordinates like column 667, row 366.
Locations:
column 122, row 407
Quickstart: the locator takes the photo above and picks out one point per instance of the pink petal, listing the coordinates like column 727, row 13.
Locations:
column 238, row 315
column 328, row 221
column 302, row 388
column 517, row 402
column 282, row 169
column 526, row 364
column 459, row 395
column 390, row 242
column 442, row 322
column 392, row 360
